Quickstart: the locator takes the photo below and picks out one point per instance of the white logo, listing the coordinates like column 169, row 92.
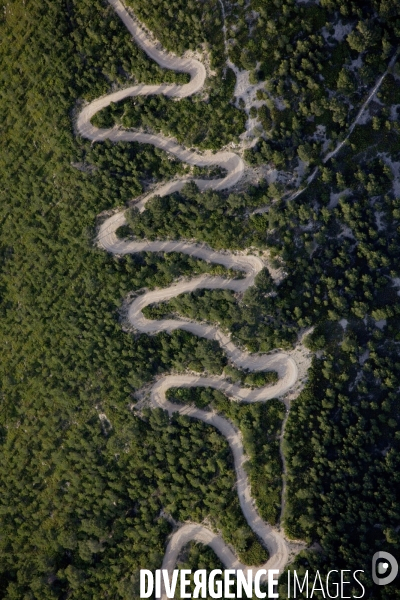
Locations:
column 384, row 563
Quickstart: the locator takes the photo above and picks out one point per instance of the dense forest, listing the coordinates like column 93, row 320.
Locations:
column 90, row 488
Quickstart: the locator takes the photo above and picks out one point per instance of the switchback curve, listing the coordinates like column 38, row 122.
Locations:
column 284, row 364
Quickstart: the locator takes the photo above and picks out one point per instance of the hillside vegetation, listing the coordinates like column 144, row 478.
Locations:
column 83, row 477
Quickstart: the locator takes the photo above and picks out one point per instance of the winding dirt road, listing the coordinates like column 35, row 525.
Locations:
column 286, row 366
column 229, row 161
column 272, row 538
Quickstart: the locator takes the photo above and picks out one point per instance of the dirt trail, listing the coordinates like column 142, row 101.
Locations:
column 360, row 113
column 284, row 363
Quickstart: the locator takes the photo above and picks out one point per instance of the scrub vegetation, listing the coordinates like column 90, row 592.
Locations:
column 85, row 480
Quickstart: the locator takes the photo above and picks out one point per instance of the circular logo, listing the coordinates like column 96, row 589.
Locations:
column 384, row 568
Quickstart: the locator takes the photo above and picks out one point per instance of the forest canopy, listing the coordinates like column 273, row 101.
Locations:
column 84, row 476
